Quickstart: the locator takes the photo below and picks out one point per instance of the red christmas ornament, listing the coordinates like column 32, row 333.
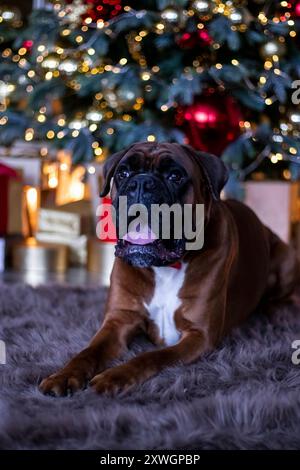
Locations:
column 211, row 123
column 200, row 38
column 103, row 9
column 294, row 5
column 297, row 9
column 27, row 44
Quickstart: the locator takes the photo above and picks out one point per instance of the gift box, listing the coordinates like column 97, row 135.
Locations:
column 69, row 226
column 12, row 202
column 29, row 167
column 277, row 204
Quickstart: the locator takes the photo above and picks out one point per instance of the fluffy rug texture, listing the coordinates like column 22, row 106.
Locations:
column 244, row 395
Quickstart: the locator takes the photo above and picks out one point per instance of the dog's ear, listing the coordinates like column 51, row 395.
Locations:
column 109, row 169
column 214, row 170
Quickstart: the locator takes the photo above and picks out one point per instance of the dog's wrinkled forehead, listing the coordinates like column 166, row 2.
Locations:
column 148, row 156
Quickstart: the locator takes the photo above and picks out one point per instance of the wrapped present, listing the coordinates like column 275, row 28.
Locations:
column 11, row 202
column 30, row 168
column 100, row 260
column 101, row 249
column 69, row 226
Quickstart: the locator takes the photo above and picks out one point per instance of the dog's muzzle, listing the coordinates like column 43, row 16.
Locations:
column 149, row 249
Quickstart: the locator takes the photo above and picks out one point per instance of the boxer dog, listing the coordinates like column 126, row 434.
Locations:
column 188, row 307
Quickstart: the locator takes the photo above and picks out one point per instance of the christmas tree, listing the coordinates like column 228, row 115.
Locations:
column 95, row 76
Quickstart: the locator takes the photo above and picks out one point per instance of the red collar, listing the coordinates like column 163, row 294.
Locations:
column 177, row 265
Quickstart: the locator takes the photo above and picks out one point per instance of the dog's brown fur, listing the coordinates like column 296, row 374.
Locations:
column 242, row 264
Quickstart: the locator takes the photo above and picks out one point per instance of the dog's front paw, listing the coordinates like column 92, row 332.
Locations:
column 114, row 380
column 63, row 383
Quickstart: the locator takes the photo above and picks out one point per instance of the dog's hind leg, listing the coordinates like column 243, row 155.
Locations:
column 284, row 275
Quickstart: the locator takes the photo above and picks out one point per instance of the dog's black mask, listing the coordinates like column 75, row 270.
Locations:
column 148, row 173
column 143, row 183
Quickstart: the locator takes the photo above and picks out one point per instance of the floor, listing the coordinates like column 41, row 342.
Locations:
column 73, row 277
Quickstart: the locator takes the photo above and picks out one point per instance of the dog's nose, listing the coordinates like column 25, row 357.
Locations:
column 141, row 184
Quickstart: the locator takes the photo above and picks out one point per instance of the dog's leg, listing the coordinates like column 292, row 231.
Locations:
column 107, row 344
column 144, row 366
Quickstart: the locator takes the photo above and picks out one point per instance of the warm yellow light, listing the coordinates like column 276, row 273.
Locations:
column 29, row 133
column 92, row 170
column 100, row 24
column 50, row 134
column 151, row 138
column 31, row 197
column 44, row 151
column 293, row 150
column 52, row 181
column 41, row 118
column 268, row 65
column 146, row 76
column 274, row 159
column 48, row 75
column 123, row 61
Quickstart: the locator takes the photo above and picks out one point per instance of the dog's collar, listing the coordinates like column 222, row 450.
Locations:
column 177, row 265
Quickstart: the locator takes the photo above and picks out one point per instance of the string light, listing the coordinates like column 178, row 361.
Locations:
column 72, row 63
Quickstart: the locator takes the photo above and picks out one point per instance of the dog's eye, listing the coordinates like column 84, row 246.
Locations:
column 123, row 173
column 175, row 176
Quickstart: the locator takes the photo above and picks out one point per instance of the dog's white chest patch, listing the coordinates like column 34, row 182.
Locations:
column 165, row 301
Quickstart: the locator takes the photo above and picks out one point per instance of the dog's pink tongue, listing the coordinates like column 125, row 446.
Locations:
column 145, row 236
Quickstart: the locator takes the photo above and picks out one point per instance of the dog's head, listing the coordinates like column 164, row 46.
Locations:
column 154, row 174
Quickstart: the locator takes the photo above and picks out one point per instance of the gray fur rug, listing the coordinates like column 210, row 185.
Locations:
column 245, row 395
